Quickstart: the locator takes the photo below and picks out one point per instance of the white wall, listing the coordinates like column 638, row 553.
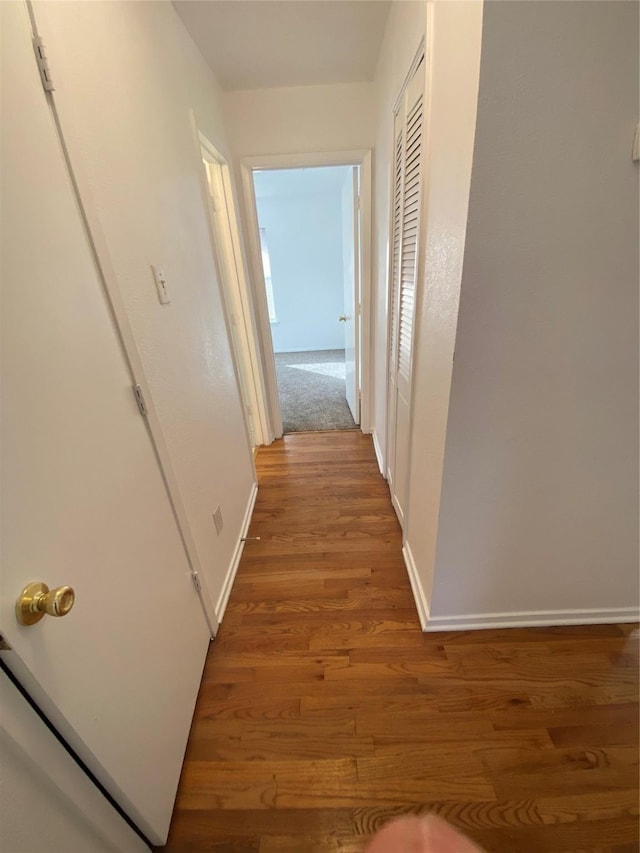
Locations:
column 300, row 119
column 304, row 236
column 540, row 492
column 405, row 29
column 454, row 35
column 129, row 131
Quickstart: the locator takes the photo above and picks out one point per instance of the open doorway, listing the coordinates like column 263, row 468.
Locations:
column 309, row 237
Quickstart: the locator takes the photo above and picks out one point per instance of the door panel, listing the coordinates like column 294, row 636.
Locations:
column 84, row 502
column 351, row 277
column 232, row 300
column 48, row 803
column 401, row 467
column 405, row 231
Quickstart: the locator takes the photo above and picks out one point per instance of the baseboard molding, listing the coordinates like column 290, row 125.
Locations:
column 532, row 619
column 306, row 349
column 221, row 606
column 397, row 508
column 378, row 451
column 422, row 604
column 522, row 619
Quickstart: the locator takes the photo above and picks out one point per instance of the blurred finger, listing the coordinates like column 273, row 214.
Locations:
column 428, row 834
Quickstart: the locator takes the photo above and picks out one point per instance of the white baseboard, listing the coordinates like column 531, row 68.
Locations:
column 422, row 604
column 376, row 447
column 306, row 349
column 397, row 507
column 522, row 619
column 532, row 619
column 221, row 606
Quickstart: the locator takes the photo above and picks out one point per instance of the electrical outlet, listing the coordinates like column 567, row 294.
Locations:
column 217, row 520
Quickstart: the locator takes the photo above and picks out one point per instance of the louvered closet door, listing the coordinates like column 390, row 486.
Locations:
column 396, row 229
column 407, row 192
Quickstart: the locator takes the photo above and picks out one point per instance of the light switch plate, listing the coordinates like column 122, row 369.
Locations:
column 217, row 520
column 161, row 285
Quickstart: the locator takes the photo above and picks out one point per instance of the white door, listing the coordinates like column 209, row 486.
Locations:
column 405, row 231
column 233, row 303
column 38, row 778
column 351, row 276
column 83, row 498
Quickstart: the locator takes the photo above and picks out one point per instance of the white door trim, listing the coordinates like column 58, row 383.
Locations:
column 248, row 337
column 363, row 159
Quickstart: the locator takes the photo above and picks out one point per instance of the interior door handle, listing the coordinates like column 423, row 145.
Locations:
column 342, row 318
column 36, row 599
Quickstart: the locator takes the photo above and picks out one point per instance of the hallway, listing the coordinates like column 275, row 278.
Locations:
column 324, row 710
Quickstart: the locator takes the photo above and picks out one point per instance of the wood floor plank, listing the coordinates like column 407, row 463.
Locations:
column 210, row 708
column 526, row 773
column 324, row 710
column 279, row 747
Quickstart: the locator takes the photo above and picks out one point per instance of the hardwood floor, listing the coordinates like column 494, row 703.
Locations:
column 325, row 711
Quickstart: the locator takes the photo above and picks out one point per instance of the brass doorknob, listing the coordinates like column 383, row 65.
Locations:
column 342, row 318
column 36, row 599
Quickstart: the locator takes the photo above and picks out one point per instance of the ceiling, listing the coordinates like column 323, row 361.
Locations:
column 260, row 44
column 272, row 183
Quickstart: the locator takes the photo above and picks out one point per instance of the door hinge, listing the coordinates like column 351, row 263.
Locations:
column 43, row 64
column 195, row 577
column 137, row 393
column 4, row 645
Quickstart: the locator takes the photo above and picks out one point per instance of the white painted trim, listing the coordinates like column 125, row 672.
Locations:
column 419, row 54
column 378, row 451
column 533, row 618
column 223, row 259
column 396, row 505
column 363, row 159
column 388, row 449
column 366, row 292
column 306, row 349
column 352, row 157
column 422, row 605
column 221, row 606
column 247, row 302
column 515, row 619
column 252, row 241
column 237, row 269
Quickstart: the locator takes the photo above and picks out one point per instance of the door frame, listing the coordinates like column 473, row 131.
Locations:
column 233, row 277
column 248, row 165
